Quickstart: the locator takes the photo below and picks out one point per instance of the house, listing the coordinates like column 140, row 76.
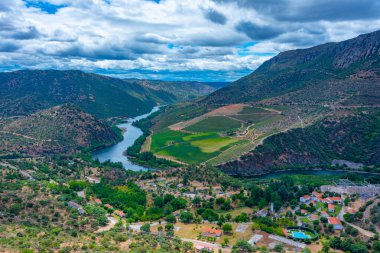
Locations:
column 305, row 199
column 303, row 211
column 325, row 214
column 98, row 201
column 108, row 206
column 317, row 196
column 336, row 223
column 76, row 206
column 313, row 217
column 210, row 232
column 331, row 208
column 336, row 200
column 199, row 247
column 350, row 210
column 119, row 213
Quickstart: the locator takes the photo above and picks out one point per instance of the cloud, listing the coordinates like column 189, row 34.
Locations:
column 171, row 39
column 258, row 32
column 215, row 16
column 30, row 33
column 8, row 47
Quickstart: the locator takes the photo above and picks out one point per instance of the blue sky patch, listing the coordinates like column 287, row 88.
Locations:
column 43, row 6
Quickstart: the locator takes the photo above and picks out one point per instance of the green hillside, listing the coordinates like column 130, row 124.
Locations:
column 61, row 129
column 332, row 72
column 25, row 92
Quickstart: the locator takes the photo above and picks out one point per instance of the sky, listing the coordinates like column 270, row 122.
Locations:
column 202, row 40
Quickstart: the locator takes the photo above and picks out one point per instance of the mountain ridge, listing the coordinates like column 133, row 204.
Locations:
column 27, row 91
column 294, row 70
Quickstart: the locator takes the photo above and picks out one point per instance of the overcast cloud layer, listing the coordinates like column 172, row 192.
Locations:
column 207, row 40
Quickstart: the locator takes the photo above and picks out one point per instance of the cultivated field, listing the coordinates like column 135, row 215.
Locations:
column 217, row 136
column 190, row 148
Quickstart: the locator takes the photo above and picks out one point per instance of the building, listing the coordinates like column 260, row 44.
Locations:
column 305, row 199
column 76, row 206
column 210, row 232
column 325, row 214
column 336, row 223
column 336, row 199
column 108, row 206
column 303, row 211
column 331, row 208
column 119, row 213
column 98, row 201
column 199, row 247
column 313, row 217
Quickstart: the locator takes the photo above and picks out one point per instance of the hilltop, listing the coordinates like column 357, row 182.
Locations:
column 60, row 129
column 28, row 91
column 346, row 72
column 302, row 108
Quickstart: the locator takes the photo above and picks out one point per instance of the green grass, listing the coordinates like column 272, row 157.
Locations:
column 253, row 118
column 190, row 148
column 214, row 124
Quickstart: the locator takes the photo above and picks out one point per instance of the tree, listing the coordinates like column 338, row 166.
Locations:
column 159, row 202
column 227, row 228
column 171, row 218
column 336, row 243
column 145, row 228
column 186, row 217
column 187, row 246
column 242, row 246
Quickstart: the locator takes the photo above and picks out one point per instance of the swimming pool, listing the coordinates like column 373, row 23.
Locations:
column 300, row 235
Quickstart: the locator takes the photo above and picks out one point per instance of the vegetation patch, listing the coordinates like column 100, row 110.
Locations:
column 215, row 124
column 190, row 148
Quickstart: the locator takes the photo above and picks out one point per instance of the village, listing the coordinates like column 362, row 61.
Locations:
column 229, row 222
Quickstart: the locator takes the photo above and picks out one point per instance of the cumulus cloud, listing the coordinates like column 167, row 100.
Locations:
column 215, row 16
column 170, row 39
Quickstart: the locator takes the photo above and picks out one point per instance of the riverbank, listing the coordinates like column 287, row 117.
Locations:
column 115, row 153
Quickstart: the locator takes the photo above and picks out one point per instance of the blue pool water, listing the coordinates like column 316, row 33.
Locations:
column 300, row 235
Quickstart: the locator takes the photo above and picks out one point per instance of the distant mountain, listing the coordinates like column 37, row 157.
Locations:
column 344, row 72
column 60, row 129
column 334, row 88
column 182, row 90
column 28, row 91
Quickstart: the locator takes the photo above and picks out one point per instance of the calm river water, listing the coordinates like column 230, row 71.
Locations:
column 115, row 152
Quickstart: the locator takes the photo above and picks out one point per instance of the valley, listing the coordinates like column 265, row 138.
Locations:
column 285, row 159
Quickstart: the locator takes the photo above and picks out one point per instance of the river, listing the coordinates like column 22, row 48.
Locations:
column 115, row 153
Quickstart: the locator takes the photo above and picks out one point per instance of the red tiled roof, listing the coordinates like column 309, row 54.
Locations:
column 334, row 221
column 213, row 231
column 108, row 206
column 335, row 198
column 119, row 213
column 330, row 206
column 98, row 201
column 303, row 211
